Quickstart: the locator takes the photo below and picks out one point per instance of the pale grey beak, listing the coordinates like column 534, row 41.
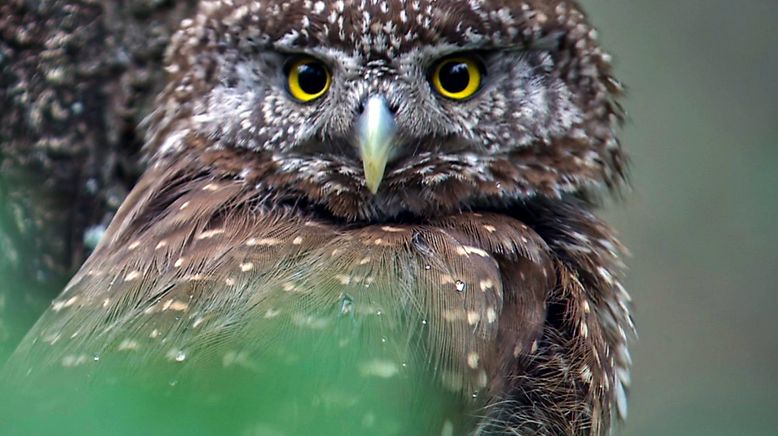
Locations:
column 375, row 134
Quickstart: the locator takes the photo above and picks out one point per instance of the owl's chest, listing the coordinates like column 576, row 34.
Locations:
column 433, row 293
column 442, row 298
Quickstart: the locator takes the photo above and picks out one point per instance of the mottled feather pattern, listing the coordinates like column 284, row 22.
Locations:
column 272, row 261
column 480, row 248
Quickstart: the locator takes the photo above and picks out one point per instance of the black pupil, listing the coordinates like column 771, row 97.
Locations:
column 454, row 77
column 311, row 77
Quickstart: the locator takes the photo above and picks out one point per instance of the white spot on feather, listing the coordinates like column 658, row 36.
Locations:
column 486, row 284
column 472, row 359
column 210, row 234
column 263, row 242
column 128, row 345
column 465, row 250
column 378, row 368
column 491, row 315
column 132, row 275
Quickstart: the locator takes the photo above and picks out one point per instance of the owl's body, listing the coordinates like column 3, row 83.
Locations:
column 463, row 233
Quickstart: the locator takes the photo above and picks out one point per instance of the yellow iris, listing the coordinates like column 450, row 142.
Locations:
column 308, row 79
column 457, row 78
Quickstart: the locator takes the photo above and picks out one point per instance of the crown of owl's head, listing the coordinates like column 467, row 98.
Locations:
column 373, row 109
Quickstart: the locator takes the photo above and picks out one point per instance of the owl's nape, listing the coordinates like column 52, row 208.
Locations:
column 369, row 192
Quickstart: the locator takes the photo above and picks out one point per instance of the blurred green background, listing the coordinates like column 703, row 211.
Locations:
column 702, row 77
column 701, row 221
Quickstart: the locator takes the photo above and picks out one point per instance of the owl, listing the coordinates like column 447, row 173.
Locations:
column 420, row 175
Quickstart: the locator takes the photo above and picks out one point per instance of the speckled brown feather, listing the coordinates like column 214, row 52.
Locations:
column 480, row 246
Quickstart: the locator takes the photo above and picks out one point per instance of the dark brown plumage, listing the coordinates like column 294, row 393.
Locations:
column 260, row 213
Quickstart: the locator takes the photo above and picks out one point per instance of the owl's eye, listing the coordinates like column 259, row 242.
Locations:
column 307, row 79
column 457, row 78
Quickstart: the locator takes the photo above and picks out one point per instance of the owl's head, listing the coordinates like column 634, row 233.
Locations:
column 376, row 109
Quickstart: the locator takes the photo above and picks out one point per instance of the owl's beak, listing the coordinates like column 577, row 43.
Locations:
column 375, row 130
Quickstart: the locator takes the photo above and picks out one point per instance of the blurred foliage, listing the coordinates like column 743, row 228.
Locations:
column 24, row 294
column 323, row 382
column 316, row 383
